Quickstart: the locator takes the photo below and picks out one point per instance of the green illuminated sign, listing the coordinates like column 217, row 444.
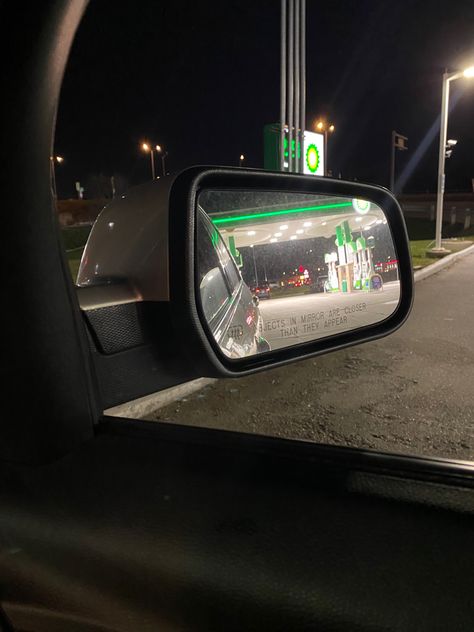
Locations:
column 235, row 253
column 272, row 148
column 286, row 152
column 289, row 211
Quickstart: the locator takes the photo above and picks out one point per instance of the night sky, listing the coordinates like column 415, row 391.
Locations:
column 202, row 79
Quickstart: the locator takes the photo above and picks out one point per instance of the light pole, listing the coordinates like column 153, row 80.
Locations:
column 324, row 128
column 54, row 160
column 163, row 153
column 447, row 78
column 241, row 159
column 254, row 265
column 147, row 148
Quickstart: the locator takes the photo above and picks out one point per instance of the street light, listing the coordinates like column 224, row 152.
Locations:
column 447, row 78
column 241, row 159
column 146, row 148
column 53, row 161
column 450, row 145
column 321, row 126
column 163, row 153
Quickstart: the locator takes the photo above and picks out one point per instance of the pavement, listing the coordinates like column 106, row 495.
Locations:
column 410, row 393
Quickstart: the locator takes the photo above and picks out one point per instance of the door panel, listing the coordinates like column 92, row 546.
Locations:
column 152, row 527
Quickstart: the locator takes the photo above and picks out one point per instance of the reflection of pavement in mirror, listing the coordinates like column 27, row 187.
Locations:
column 292, row 320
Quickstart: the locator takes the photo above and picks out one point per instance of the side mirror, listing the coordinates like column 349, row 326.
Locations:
column 328, row 262
column 239, row 270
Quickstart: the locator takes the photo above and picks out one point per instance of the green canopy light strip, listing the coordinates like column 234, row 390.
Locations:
column 305, row 209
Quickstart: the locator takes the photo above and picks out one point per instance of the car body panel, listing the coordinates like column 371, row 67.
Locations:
column 236, row 323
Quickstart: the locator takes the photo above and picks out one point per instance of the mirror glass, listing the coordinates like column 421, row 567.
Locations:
column 276, row 269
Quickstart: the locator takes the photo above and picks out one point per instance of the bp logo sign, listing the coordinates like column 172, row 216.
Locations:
column 312, row 158
column 361, row 206
column 313, row 153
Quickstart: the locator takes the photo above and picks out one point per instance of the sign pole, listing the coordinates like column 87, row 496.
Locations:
column 291, row 84
column 392, row 162
column 282, row 84
column 302, row 81
column 398, row 142
column 296, row 58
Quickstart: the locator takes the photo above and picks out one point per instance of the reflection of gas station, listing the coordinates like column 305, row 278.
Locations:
column 349, row 266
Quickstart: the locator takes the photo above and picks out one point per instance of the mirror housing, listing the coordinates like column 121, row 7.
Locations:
column 184, row 290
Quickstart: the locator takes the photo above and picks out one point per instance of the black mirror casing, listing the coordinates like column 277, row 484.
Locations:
column 188, row 319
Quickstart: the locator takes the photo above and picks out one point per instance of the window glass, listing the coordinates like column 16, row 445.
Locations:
column 212, row 284
column 214, row 292
column 170, row 85
column 228, row 263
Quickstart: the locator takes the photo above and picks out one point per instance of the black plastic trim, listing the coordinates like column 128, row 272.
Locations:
column 340, row 458
column 47, row 370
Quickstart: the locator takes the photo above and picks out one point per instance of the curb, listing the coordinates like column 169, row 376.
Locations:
column 140, row 408
column 445, row 262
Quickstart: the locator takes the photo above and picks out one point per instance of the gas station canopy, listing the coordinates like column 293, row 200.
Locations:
column 253, row 227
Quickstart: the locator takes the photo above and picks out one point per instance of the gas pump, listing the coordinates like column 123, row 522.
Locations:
column 359, row 262
column 373, row 280
column 366, row 253
column 346, row 248
column 332, row 282
column 364, row 269
column 340, row 243
column 352, row 266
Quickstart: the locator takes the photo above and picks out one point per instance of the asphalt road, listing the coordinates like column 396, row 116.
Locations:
column 291, row 320
column 412, row 392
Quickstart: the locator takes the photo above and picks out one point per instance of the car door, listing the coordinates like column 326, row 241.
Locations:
column 119, row 524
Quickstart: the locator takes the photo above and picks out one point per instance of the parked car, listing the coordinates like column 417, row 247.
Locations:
column 231, row 313
column 261, row 291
